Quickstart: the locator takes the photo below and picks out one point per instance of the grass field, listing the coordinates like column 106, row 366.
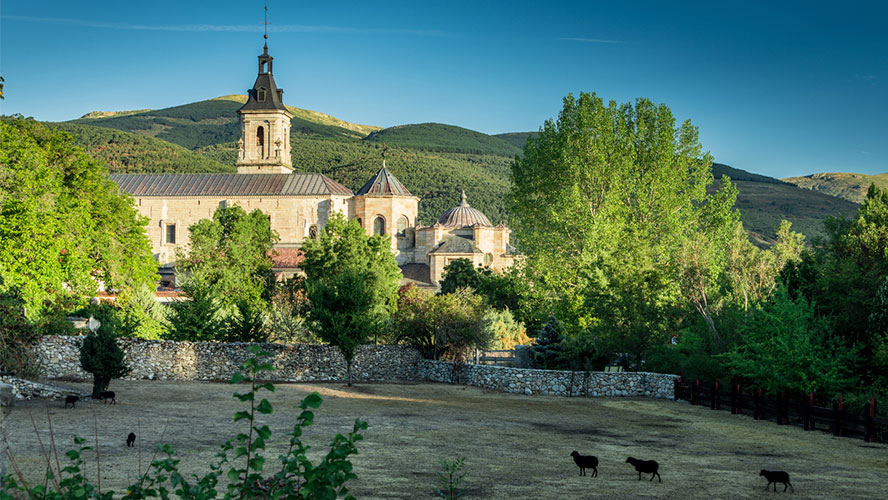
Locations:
column 516, row 447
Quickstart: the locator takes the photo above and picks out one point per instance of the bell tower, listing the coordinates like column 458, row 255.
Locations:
column 264, row 147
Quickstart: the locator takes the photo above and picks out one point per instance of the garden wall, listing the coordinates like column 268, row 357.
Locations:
column 166, row 360
column 59, row 357
column 550, row 382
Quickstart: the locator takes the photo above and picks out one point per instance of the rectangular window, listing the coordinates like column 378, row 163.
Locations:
column 171, row 233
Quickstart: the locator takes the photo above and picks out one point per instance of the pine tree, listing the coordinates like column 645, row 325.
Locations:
column 102, row 356
column 546, row 349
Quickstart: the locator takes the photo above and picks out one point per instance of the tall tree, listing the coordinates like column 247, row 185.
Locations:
column 603, row 201
column 231, row 255
column 351, row 280
column 65, row 228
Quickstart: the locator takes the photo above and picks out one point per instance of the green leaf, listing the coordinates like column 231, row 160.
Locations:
column 240, row 415
column 264, row 407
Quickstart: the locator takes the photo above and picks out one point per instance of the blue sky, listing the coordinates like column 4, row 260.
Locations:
column 780, row 88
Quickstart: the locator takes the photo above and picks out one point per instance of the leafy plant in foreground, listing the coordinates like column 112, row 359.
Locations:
column 450, row 476
column 240, row 460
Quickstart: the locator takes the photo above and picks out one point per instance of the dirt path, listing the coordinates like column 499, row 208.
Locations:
column 516, row 447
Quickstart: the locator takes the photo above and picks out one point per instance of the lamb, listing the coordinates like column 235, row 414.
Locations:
column 776, row 476
column 586, row 462
column 131, row 439
column 70, row 400
column 106, row 395
column 647, row 466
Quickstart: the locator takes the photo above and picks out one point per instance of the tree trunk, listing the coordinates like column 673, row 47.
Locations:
column 348, row 364
column 99, row 385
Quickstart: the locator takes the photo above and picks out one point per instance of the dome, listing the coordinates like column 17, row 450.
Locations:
column 463, row 215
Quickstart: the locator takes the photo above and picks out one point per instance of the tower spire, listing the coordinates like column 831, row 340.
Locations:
column 266, row 27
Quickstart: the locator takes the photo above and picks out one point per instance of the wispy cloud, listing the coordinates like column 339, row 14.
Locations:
column 275, row 28
column 590, row 40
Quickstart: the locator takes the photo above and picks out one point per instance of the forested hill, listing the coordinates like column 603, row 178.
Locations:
column 440, row 137
column 126, row 152
column 433, row 160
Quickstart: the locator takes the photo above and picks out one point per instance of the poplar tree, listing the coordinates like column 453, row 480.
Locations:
column 602, row 204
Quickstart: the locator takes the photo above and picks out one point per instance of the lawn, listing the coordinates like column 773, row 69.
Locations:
column 515, row 446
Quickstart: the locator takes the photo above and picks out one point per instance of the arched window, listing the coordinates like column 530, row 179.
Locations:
column 260, row 140
column 379, row 226
column 488, row 258
column 402, row 225
column 313, row 232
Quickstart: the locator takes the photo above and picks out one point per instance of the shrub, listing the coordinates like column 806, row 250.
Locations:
column 102, row 356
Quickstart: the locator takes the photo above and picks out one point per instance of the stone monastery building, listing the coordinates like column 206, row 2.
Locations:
column 299, row 205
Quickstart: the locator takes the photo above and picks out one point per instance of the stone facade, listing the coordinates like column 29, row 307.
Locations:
column 167, row 360
column 390, row 209
column 293, row 217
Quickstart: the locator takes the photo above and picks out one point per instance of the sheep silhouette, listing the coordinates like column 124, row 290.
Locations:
column 776, row 476
column 586, row 462
column 647, row 466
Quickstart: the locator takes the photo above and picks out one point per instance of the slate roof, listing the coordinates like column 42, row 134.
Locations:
column 456, row 244
column 384, row 183
column 273, row 98
column 463, row 215
column 229, row 185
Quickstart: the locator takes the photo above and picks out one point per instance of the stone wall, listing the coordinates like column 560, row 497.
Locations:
column 167, row 360
column 59, row 357
column 550, row 382
column 7, row 399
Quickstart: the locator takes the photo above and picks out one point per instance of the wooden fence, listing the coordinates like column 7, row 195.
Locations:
column 787, row 411
column 495, row 357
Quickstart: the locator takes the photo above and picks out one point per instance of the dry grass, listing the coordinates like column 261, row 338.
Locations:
column 515, row 446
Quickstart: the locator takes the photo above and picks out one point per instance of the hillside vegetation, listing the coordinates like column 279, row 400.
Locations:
column 433, row 160
column 126, row 152
column 440, row 137
column 852, row 187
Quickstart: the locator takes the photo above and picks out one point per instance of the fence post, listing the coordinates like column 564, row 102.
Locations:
column 782, row 418
column 757, row 405
column 716, row 397
column 869, row 431
column 809, row 422
column 739, row 401
column 695, row 393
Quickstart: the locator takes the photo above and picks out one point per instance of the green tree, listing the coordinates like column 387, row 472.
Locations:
column 787, row 346
column 195, row 317
column 141, row 315
column 64, row 226
column 247, row 323
column 602, row 203
column 351, row 280
column 101, row 356
column 231, row 255
column 444, row 326
column 460, row 273
column 547, row 348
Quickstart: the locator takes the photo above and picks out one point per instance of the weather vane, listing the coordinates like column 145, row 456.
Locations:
column 266, row 19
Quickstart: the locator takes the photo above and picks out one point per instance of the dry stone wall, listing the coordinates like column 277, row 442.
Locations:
column 167, row 360
column 59, row 357
column 550, row 382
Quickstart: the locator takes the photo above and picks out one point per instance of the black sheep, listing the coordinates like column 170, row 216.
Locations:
column 647, row 466
column 776, row 476
column 131, row 439
column 586, row 462
column 70, row 400
column 106, row 395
